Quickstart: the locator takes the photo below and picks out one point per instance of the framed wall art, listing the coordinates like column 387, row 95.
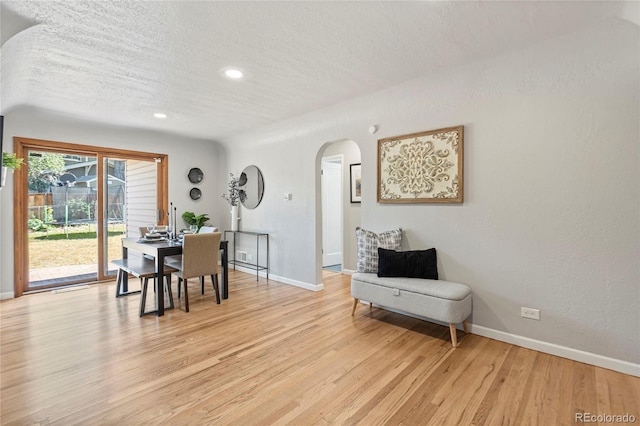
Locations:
column 356, row 182
column 425, row 167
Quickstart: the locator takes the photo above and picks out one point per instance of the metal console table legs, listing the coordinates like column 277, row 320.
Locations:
column 244, row 263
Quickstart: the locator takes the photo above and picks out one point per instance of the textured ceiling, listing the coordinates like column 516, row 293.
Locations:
column 120, row 62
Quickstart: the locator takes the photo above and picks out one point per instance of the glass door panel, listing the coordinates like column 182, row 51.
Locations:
column 61, row 219
column 130, row 202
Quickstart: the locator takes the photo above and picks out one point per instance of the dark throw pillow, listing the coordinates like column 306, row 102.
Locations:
column 408, row 264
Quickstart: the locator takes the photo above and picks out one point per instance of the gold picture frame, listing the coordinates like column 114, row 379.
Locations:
column 425, row 167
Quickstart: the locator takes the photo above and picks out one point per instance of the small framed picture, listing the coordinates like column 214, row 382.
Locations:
column 356, row 182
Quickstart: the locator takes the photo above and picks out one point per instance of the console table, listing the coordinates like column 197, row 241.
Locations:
column 255, row 266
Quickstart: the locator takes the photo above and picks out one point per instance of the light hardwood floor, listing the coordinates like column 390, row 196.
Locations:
column 276, row 354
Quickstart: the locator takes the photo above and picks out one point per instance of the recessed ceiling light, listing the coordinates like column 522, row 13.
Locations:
column 232, row 73
column 160, row 115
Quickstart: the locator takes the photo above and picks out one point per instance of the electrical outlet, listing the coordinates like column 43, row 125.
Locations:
column 530, row 313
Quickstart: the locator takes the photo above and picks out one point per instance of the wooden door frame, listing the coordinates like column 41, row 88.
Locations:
column 21, row 147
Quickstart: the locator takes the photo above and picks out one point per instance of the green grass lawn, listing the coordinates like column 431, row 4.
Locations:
column 79, row 247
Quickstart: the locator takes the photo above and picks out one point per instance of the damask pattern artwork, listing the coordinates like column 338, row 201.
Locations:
column 425, row 167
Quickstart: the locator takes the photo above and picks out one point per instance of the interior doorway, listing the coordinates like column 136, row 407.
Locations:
column 331, row 182
column 337, row 215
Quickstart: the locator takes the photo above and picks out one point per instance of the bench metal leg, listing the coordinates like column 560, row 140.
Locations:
column 122, row 288
column 167, row 280
column 143, row 296
column 119, row 283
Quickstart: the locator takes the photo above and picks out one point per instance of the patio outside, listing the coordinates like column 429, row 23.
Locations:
column 62, row 252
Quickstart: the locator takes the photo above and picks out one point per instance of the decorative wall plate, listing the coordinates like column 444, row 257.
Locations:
column 195, row 175
column 195, row 193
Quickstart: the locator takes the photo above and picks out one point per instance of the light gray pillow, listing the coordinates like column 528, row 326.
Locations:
column 368, row 243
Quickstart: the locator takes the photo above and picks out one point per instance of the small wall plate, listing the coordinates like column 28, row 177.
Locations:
column 195, row 175
column 195, row 193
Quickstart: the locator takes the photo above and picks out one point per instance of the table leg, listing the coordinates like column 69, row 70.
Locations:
column 159, row 283
column 268, row 266
column 257, row 257
column 225, row 269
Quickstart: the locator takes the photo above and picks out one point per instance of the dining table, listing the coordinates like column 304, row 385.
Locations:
column 159, row 250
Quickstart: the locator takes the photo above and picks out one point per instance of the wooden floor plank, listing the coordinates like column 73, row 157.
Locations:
column 274, row 354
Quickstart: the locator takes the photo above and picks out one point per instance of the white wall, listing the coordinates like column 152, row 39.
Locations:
column 351, row 211
column 551, row 212
column 183, row 155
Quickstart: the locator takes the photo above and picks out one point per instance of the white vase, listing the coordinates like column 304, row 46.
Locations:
column 4, row 175
column 234, row 218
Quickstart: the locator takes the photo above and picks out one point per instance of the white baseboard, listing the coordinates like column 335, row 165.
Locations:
column 557, row 350
column 263, row 274
column 348, row 271
column 7, row 295
column 614, row 364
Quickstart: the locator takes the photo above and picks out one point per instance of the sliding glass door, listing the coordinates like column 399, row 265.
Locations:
column 73, row 205
column 131, row 202
column 61, row 218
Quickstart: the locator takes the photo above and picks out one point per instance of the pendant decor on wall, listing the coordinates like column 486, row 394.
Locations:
column 195, row 175
column 195, row 194
column 425, row 167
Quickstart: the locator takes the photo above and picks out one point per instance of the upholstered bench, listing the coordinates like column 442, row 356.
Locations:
column 440, row 300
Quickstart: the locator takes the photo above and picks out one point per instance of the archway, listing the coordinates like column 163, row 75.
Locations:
column 349, row 153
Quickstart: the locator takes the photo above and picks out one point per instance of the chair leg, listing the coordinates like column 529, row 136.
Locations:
column 186, row 296
column 465, row 325
column 214, row 280
column 202, row 285
column 179, row 283
column 143, row 296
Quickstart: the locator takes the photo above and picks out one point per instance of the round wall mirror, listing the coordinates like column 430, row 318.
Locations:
column 251, row 186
